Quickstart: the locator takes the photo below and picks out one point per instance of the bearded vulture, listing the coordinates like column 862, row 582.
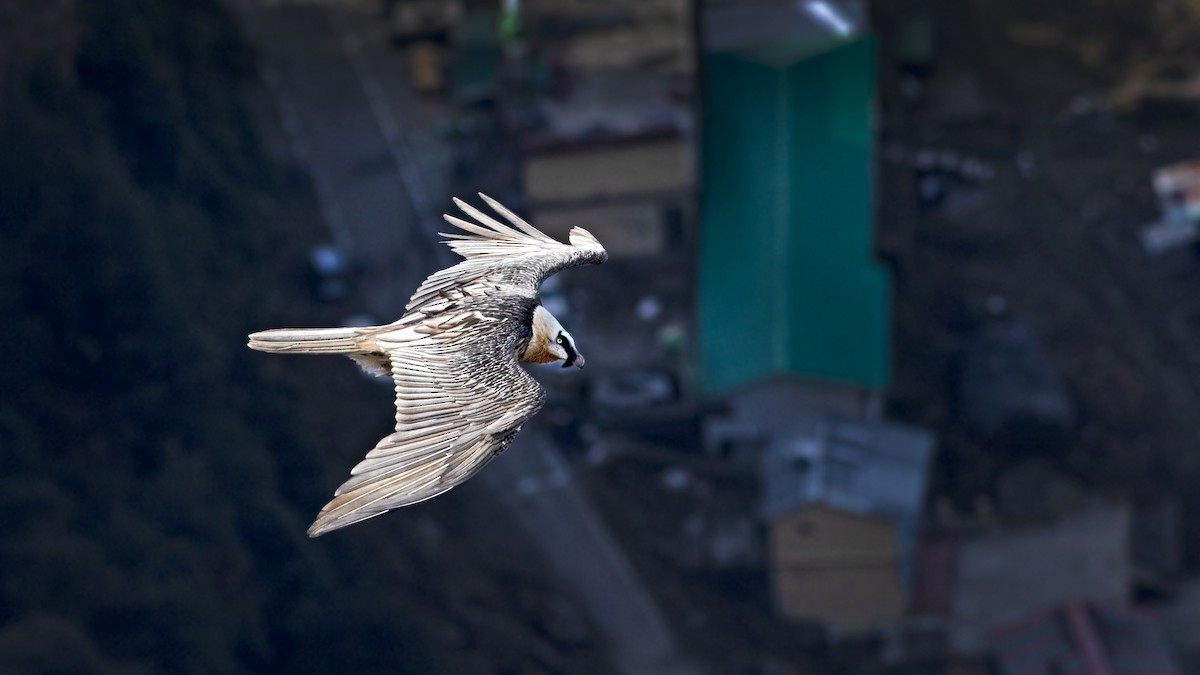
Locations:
column 460, row 395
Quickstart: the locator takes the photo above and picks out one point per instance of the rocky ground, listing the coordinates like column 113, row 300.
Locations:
column 1069, row 111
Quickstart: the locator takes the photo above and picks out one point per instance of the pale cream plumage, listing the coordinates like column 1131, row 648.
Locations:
column 460, row 394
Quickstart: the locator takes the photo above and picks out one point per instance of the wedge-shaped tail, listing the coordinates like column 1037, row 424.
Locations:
column 306, row 340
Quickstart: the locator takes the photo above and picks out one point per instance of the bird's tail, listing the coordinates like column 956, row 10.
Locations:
column 306, row 340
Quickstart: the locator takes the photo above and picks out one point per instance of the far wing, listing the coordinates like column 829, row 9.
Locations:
column 511, row 258
column 460, row 399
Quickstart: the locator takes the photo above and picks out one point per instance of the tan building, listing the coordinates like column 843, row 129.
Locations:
column 839, row 567
column 614, row 151
column 843, row 501
column 623, row 190
column 646, row 165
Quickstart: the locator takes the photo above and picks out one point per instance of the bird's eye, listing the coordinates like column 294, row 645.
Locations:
column 559, row 340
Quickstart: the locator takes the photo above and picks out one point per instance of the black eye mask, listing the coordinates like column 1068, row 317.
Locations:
column 571, row 353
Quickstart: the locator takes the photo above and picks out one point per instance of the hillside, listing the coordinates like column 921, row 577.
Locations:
column 157, row 477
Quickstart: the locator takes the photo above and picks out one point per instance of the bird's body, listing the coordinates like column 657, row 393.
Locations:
column 461, row 396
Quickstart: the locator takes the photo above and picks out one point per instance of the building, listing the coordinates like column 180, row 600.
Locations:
column 599, row 99
column 630, row 190
column 843, row 502
column 978, row 580
column 787, row 261
column 613, row 149
column 1177, row 187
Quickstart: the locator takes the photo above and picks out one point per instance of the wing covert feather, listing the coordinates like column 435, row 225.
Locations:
column 455, row 411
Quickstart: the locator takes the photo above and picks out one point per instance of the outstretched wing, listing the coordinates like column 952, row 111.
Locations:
column 460, row 400
column 499, row 259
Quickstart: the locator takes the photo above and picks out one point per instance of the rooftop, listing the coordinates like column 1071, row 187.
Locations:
column 1081, row 638
column 874, row 468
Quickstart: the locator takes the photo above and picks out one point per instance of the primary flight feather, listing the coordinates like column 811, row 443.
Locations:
column 461, row 396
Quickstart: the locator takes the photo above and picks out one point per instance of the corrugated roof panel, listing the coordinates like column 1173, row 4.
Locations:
column 882, row 470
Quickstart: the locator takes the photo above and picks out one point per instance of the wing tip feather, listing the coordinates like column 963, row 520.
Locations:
column 488, row 228
column 489, row 236
column 581, row 238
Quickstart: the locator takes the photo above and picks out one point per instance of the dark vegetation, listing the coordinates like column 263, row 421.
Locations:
column 154, row 484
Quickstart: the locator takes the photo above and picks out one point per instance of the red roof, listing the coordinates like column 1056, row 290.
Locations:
column 1078, row 638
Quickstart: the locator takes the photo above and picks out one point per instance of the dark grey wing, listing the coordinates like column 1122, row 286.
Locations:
column 460, row 400
column 499, row 259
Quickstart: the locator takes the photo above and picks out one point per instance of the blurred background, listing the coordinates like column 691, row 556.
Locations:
column 894, row 368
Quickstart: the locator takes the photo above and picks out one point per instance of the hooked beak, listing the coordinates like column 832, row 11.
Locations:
column 575, row 360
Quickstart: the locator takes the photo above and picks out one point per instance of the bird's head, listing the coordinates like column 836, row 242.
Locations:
column 551, row 342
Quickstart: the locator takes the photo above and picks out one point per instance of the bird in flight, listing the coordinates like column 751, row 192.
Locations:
column 461, row 397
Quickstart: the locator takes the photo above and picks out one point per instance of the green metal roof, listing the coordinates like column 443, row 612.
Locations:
column 788, row 282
